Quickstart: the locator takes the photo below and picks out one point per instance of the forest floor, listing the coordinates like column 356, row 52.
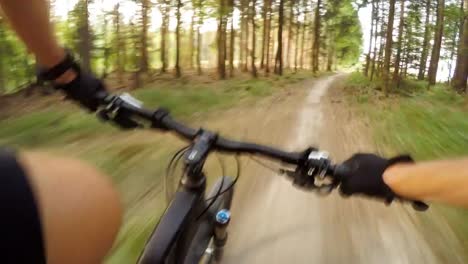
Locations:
column 273, row 222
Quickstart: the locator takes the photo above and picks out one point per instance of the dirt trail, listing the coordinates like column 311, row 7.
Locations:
column 275, row 223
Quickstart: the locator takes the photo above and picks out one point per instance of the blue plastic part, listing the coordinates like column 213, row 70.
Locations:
column 223, row 216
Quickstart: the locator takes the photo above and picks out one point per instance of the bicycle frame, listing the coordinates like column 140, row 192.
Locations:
column 179, row 226
column 175, row 231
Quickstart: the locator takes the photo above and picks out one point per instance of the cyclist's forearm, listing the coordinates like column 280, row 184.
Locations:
column 440, row 181
column 30, row 20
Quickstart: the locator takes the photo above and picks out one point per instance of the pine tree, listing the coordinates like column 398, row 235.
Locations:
column 253, row 68
column 388, row 47
column 396, row 72
column 279, row 51
column 461, row 68
column 178, row 71
column 316, row 41
column 425, row 47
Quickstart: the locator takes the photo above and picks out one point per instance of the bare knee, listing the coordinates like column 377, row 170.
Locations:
column 80, row 210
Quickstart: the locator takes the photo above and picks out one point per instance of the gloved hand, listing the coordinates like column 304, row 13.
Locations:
column 363, row 174
column 83, row 89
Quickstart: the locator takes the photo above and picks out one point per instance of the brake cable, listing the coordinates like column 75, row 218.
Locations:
column 263, row 164
column 219, row 193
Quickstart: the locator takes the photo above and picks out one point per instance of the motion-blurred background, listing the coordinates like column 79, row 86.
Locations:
column 251, row 69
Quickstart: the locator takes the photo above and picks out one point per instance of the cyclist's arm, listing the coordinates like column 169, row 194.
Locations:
column 80, row 211
column 30, row 20
column 440, row 181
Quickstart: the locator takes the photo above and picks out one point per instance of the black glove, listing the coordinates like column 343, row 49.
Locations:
column 83, row 89
column 363, row 174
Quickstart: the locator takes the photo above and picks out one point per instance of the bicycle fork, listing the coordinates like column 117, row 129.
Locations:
column 223, row 217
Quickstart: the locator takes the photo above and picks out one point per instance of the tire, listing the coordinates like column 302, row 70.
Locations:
column 203, row 236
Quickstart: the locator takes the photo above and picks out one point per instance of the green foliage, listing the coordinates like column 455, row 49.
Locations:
column 344, row 29
column 425, row 122
column 49, row 127
column 453, row 15
column 428, row 126
column 16, row 66
column 414, row 33
column 357, row 80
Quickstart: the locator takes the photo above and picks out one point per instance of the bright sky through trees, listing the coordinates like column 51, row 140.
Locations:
column 129, row 8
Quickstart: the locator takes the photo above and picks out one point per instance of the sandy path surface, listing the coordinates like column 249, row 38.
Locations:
column 275, row 223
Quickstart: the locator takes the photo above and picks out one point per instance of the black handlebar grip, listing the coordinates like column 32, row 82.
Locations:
column 340, row 171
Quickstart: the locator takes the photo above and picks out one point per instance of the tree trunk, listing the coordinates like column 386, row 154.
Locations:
column 368, row 56
column 396, row 72
column 330, row 54
column 244, row 10
column 221, row 40
column 461, row 68
column 136, row 41
column 199, row 36
column 242, row 35
column 405, row 69
column 380, row 57
column 290, row 34
column 433, row 66
column 425, row 51
column 179, row 22
column 241, row 38
column 144, row 62
column 376, row 24
column 316, row 47
column 254, row 40
column 267, row 59
column 106, row 48
column 453, row 49
column 298, row 28
column 265, row 40
column 119, row 45
column 303, row 40
column 279, row 51
column 388, row 47
column 232, row 47
column 164, row 31
column 383, row 28
column 2, row 62
column 85, row 39
column 192, row 40
column 245, row 67
column 247, row 37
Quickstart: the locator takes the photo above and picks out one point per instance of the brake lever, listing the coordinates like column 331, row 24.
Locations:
column 288, row 173
column 113, row 111
column 118, row 118
column 325, row 190
column 309, row 185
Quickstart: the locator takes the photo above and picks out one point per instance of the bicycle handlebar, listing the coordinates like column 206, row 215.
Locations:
column 309, row 165
column 161, row 119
